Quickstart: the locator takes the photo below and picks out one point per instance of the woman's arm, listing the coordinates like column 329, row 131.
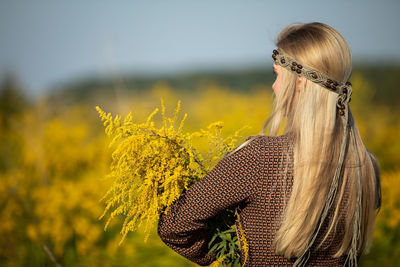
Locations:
column 232, row 181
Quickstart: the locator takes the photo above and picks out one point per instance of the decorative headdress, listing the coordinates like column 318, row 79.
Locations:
column 344, row 90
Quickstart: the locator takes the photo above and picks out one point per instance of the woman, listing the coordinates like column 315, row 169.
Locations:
column 307, row 197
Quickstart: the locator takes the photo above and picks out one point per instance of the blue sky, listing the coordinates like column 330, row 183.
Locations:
column 50, row 42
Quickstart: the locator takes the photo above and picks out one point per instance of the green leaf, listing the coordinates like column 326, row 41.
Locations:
column 213, row 248
column 223, row 237
column 220, row 245
column 220, row 254
column 212, row 240
column 228, row 236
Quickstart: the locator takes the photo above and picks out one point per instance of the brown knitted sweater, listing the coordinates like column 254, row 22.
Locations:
column 249, row 178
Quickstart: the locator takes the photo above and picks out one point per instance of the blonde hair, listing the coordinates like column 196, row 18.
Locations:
column 310, row 115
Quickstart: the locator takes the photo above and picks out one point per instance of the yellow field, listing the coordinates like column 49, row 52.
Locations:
column 54, row 162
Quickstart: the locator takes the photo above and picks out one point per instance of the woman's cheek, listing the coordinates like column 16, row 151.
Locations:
column 275, row 86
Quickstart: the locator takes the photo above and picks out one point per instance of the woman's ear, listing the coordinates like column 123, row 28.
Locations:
column 300, row 83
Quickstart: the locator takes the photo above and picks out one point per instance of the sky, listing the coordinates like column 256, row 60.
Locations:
column 47, row 43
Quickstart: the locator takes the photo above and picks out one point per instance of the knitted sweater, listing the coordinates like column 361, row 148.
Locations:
column 249, row 178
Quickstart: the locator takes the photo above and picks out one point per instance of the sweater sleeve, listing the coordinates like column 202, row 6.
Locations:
column 232, row 181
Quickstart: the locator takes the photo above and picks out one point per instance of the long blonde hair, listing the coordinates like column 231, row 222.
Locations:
column 310, row 115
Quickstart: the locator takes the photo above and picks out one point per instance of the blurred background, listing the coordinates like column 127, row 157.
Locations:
column 58, row 60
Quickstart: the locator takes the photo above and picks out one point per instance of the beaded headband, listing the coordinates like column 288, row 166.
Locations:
column 343, row 89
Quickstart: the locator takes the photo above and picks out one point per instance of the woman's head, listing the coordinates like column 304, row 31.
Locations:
column 318, row 46
column 310, row 111
column 321, row 48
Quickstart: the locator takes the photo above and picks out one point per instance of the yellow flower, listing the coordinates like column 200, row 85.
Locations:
column 152, row 166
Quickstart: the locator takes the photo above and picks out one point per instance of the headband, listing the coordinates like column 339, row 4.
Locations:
column 344, row 90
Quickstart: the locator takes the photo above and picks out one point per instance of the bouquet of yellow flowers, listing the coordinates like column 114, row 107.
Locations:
column 153, row 166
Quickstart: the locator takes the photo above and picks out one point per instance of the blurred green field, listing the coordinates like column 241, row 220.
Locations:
column 54, row 156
